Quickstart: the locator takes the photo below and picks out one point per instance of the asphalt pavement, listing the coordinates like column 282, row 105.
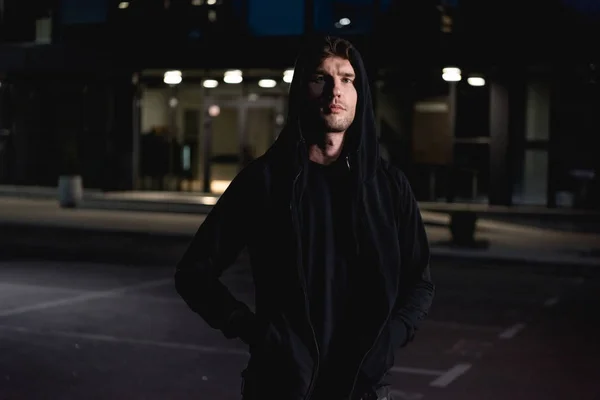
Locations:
column 87, row 330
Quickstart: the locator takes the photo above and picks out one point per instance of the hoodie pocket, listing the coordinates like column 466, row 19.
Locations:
column 380, row 359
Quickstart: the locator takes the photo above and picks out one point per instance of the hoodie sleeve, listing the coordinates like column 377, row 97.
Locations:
column 416, row 287
column 216, row 246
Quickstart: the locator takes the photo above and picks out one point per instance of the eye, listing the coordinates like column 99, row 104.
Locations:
column 317, row 78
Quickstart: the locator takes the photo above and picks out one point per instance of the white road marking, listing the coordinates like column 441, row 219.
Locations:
column 511, row 332
column 551, row 302
column 114, row 339
column 469, row 348
column 83, row 298
column 417, row 371
column 451, row 375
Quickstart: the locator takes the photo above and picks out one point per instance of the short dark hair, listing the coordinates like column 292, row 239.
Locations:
column 324, row 47
column 336, row 47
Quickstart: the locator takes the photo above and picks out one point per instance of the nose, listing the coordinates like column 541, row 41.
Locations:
column 333, row 89
column 337, row 91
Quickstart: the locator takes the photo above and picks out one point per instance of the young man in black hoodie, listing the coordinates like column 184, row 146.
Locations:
column 338, row 250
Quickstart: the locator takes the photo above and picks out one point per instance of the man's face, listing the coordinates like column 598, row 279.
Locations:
column 332, row 93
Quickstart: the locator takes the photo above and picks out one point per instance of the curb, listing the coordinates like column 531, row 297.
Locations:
column 555, row 264
column 159, row 247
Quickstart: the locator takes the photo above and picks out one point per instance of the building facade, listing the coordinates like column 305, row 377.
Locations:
column 179, row 95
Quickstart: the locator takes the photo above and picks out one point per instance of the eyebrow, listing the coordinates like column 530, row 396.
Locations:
column 344, row 74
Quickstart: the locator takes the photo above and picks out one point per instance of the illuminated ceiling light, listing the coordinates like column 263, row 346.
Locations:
column 214, row 110
column 233, row 76
column 344, row 21
column 212, row 15
column 196, row 2
column 123, row 5
column 172, row 77
column 476, row 81
column 219, row 186
column 210, row 83
column 451, row 74
column 211, row 2
column 267, row 83
column 288, row 75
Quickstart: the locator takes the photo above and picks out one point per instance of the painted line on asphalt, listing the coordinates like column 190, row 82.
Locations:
column 417, row 371
column 84, row 297
column 551, row 302
column 451, row 375
column 511, row 332
column 120, row 340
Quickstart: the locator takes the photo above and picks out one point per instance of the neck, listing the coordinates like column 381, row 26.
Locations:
column 327, row 150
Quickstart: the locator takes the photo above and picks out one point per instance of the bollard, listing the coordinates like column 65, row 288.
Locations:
column 462, row 226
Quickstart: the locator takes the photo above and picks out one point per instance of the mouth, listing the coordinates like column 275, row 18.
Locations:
column 335, row 108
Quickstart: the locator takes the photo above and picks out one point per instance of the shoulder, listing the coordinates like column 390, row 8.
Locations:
column 394, row 175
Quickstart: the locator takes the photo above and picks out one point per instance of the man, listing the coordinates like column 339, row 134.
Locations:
column 337, row 246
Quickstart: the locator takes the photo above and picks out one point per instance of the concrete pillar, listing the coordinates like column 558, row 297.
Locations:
column 506, row 128
column 537, row 130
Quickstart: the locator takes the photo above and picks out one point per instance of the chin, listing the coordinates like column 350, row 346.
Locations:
column 335, row 126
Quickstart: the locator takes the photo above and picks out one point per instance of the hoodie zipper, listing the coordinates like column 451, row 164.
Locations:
column 304, row 289
column 366, row 354
column 381, row 328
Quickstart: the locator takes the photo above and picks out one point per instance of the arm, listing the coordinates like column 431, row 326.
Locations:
column 416, row 287
column 215, row 246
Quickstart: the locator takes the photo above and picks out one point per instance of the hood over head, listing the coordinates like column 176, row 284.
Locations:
column 360, row 144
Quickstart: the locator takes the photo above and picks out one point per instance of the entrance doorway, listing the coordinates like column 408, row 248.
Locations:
column 235, row 132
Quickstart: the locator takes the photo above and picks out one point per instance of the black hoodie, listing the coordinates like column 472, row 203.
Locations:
column 261, row 210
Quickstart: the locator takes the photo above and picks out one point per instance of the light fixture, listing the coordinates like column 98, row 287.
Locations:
column 212, row 15
column 451, row 74
column 267, row 83
column 211, row 2
column 214, row 110
column 123, row 5
column 172, row 77
column 233, row 76
column 476, row 81
column 210, row 83
column 196, row 2
column 219, row 186
column 288, row 75
column 344, row 21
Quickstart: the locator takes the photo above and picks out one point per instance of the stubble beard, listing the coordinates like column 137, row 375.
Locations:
column 336, row 124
